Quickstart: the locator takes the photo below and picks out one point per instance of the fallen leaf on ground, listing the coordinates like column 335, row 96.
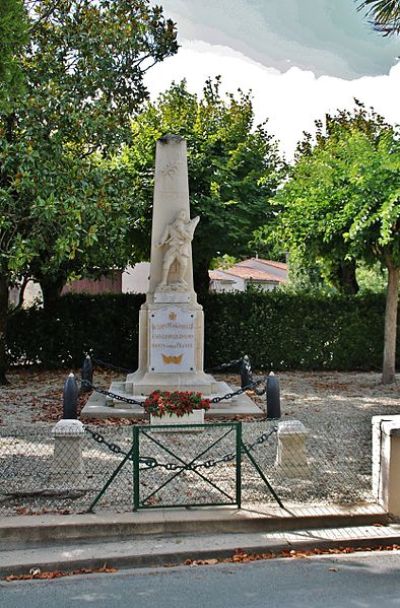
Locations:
column 240, row 556
column 36, row 573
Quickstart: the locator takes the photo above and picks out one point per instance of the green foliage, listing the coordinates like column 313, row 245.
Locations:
column 277, row 330
column 223, row 261
column 341, row 203
column 233, row 168
column 341, row 206
column 61, row 209
column 13, row 37
column 304, row 276
column 86, row 64
column 78, row 324
column 83, row 75
column 385, row 15
column 371, row 278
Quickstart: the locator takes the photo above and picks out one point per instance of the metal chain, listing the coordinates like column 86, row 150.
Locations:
column 262, row 391
column 107, row 365
column 262, row 438
column 232, row 455
column 240, row 391
column 224, row 366
column 151, row 463
column 102, row 391
column 132, row 401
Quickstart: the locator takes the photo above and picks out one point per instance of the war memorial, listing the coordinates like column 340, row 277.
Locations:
column 171, row 321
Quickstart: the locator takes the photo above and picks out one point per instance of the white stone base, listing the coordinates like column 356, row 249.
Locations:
column 241, row 406
column 291, row 455
column 68, row 468
column 195, row 417
column 144, row 384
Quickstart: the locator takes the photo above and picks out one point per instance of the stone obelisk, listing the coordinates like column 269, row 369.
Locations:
column 171, row 335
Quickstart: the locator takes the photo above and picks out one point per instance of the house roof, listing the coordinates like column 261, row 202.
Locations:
column 256, row 262
column 254, row 269
column 252, row 274
column 219, row 275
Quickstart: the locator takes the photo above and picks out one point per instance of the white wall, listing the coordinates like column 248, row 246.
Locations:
column 239, row 284
column 135, row 279
column 234, row 284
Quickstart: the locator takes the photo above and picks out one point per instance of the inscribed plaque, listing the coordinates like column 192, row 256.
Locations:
column 172, row 340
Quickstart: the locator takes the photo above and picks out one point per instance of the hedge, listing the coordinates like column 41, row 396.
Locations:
column 277, row 330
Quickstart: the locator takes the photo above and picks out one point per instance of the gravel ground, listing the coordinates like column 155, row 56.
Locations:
column 336, row 409
column 36, row 396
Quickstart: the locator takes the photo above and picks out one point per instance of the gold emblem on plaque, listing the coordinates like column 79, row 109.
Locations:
column 172, row 359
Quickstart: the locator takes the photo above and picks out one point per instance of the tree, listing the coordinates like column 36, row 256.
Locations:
column 13, row 37
column 342, row 203
column 82, row 70
column 233, row 169
column 87, row 234
column 385, row 15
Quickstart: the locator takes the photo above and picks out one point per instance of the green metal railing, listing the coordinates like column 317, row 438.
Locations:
column 196, row 469
column 187, row 465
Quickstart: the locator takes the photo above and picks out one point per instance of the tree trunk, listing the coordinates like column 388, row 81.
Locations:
column 389, row 349
column 5, row 180
column 51, row 290
column 347, row 277
column 201, row 279
column 3, row 330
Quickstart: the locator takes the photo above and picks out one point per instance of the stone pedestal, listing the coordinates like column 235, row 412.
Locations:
column 171, row 348
column 292, row 453
column 68, row 468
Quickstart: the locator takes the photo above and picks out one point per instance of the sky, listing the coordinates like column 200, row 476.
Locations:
column 300, row 58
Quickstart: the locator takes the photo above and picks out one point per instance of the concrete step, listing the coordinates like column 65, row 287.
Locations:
column 252, row 518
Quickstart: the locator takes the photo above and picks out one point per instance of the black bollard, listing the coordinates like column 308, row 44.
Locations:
column 246, row 375
column 70, row 398
column 273, row 397
column 87, row 375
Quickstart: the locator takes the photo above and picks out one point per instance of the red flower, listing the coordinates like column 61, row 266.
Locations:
column 160, row 403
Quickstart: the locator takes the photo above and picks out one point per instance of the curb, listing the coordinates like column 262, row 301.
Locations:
column 177, row 558
column 42, row 529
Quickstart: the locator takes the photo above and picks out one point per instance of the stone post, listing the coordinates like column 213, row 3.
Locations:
column 291, row 456
column 70, row 398
column 386, row 462
column 273, row 396
column 68, row 468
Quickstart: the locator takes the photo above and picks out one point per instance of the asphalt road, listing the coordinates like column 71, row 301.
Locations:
column 356, row 580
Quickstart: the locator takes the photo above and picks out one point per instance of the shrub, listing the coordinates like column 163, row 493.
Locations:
column 277, row 330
